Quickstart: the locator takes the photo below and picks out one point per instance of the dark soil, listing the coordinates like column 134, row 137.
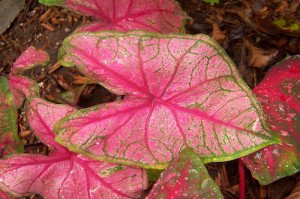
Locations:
column 242, row 28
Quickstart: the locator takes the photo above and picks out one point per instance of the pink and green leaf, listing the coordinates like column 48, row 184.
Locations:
column 22, row 87
column 9, row 139
column 64, row 174
column 161, row 16
column 185, row 177
column 279, row 94
column 30, row 58
column 181, row 91
column 4, row 195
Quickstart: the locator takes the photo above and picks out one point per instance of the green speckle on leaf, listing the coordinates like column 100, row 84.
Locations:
column 110, row 171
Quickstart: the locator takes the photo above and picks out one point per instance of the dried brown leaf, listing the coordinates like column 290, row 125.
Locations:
column 217, row 34
column 258, row 57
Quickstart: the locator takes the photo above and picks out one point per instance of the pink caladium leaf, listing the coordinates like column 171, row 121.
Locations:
column 30, row 58
column 21, row 86
column 279, row 94
column 64, row 174
column 9, row 140
column 180, row 91
column 163, row 16
column 185, row 177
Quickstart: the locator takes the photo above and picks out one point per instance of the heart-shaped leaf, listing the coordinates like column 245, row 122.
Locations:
column 9, row 139
column 279, row 94
column 64, row 174
column 162, row 16
column 185, row 177
column 180, row 91
column 21, row 86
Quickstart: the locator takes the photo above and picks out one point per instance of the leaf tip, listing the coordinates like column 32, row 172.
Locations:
column 64, row 58
column 30, row 58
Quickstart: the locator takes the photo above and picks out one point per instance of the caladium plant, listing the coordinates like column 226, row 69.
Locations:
column 185, row 177
column 9, row 140
column 22, row 86
column 161, row 16
column 279, row 94
column 180, row 91
column 64, row 174
column 183, row 100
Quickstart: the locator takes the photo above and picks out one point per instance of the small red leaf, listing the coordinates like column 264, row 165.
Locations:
column 21, row 86
column 185, row 177
column 180, row 91
column 279, row 94
column 162, row 16
column 9, row 140
column 64, row 174
column 29, row 58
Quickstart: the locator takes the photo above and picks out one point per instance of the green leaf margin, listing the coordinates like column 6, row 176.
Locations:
column 10, row 116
